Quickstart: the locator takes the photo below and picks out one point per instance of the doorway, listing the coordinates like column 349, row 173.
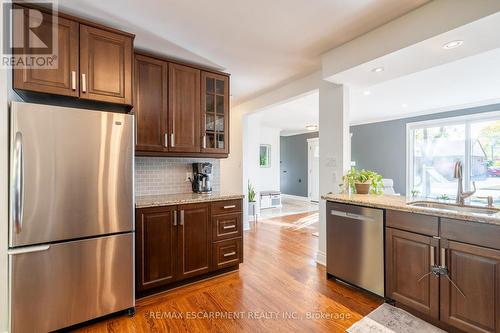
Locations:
column 313, row 169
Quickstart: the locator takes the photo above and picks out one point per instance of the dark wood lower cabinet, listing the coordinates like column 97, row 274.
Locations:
column 465, row 296
column 472, row 302
column 179, row 244
column 409, row 259
column 156, row 247
column 194, row 240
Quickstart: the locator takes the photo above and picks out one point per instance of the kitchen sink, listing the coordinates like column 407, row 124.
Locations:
column 455, row 207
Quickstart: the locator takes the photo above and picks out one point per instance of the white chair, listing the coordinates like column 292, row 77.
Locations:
column 389, row 187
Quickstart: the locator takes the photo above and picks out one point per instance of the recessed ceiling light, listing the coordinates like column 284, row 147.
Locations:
column 404, row 105
column 378, row 69
column 367, row 92
column 311, row 127
column 453, row 44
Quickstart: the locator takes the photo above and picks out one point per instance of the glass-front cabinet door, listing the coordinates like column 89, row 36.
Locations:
column 215, row 115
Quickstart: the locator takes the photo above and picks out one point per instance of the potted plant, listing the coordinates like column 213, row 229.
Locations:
column 363, row 181
column 251, row 199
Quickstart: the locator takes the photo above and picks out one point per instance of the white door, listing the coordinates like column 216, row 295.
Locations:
column 313, row 169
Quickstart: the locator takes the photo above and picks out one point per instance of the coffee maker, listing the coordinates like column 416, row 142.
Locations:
column 202, row 177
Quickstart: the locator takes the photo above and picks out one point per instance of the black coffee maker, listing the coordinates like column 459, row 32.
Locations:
column 202, row 177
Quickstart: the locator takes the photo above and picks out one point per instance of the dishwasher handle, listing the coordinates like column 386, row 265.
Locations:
column 351, row 215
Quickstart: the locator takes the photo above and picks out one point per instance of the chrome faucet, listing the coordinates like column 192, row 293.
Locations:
column 461, row 195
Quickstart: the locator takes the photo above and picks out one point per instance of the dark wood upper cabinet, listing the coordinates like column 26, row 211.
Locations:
column 94, row 62
column 156, row 247
column 194, row 240
column 409, row 258
column 472, row 302
column 105, row 66
column 215, row 113
column 62, row 80
column 184, row 108
column 190, row 120
column 150, row 104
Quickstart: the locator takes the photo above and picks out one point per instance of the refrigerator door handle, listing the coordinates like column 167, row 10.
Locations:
column 29, row 249
column 18, row 183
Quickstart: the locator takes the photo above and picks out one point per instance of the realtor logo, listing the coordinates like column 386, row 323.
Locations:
column 29, row 34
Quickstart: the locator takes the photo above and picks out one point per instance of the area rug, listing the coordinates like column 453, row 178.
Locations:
column 389, row 319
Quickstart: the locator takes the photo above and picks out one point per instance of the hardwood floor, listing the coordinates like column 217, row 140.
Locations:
column 278, row 278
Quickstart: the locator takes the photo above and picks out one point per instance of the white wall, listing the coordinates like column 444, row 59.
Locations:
column 263, row 179
column 234, row 169
column 269, row 178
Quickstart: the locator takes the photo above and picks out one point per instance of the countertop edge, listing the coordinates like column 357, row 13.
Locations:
column 201, row 199
column 469, row 217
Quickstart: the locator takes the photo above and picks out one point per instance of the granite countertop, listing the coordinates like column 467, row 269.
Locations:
column 400, row 203
column 182, row 198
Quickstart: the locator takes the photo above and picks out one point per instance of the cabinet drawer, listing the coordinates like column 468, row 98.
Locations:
column 227, row 253
column 422, row 224
column 226, row 226
column 482, row 234
column 228, row 206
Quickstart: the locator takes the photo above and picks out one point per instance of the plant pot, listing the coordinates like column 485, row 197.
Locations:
column 252, row 208
column 362, row 188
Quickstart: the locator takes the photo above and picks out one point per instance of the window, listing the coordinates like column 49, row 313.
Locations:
column 435, row 146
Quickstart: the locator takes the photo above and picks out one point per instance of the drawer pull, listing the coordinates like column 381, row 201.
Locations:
column 229, row 227
column 229, row 254
column 230, row 206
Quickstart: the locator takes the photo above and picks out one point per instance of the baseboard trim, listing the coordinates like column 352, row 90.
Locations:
column 321, row 258
column 295, row 197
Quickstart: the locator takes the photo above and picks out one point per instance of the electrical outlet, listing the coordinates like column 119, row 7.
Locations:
column 188, row 175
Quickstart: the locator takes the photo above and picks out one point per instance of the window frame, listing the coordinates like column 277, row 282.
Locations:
column 466, row 120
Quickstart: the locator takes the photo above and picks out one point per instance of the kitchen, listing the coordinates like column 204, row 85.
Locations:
column 125, row 170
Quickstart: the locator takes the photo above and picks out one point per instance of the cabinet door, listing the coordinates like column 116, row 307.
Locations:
column 409, row 258
column 62, row 80
column 150, row 104
column 194, row 240
column 184, row 108
column 472, row 302
column 105, row 66
column 156, row 247
column 215, row 113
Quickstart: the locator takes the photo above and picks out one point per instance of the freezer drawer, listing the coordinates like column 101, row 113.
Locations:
column 69, row 283
column 355, row 245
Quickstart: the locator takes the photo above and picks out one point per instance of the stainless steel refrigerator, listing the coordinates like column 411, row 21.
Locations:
column 71, row 239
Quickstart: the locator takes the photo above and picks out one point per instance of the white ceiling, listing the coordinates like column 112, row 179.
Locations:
column 293, row 116
column 479, row 36
column 467, row 82
column 261, row 43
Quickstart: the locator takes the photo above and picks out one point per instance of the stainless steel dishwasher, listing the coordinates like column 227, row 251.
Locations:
column 355, row 245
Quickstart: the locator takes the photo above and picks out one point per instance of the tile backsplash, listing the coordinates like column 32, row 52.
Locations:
column 167, row 175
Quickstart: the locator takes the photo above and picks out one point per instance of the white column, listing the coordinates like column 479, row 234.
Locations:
column 334, row 149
